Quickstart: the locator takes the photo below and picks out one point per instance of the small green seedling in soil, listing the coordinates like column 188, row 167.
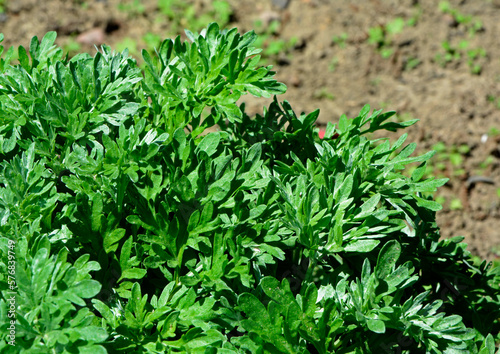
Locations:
column 152, row 41
column 270, row 41
column 413, row 20
column 472, row 24
column 382, row 35
column 441, row 199
column 495, row 101
column 487, row 162
column 340, row 40
column 494, row 131
column 473, row 56
column 132, row 8
column 411, row 63
column 182, row 14
column 333, row 64
column 448, row 158
column 456, row 204
column 323, row 93
column 130, row 44
column 72, row 47
column 453, row 54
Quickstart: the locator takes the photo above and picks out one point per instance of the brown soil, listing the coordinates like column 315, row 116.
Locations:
column 455, row 106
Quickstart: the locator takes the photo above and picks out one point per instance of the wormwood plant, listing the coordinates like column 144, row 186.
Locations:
column 124, row 229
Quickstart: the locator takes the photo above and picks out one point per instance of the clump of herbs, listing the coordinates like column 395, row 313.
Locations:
column 135, row 232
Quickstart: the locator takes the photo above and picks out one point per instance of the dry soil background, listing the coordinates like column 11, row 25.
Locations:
column 331, row 62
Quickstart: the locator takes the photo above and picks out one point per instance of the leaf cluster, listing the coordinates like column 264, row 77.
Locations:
column 135, row 232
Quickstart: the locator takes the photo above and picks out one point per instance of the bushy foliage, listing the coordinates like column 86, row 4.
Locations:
column 132, row 231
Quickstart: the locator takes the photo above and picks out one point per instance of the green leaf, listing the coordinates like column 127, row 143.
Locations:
column 133, row 273
column 210, row 143
column 103, row 309
column 428, row 204
column 309, row 300
column 387, row 258
column 258, row 318
column 92, row 349
column 362, row 246
column 488, row 346
column 376, row 326
column 368, row 207
column 23, row 58
column 430, row 185
column 280, row 293
column 125, row 253
column 46, row 43
column 97, row 206
column 207, row 213
column 87, row 288
column 112, row 238
column 184, row 188
column 344, row 190
column 419, row 172
column 93, row 334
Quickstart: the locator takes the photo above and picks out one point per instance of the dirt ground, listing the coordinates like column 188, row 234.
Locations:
column 332, row 60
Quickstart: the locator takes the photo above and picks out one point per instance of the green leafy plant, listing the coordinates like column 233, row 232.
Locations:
column 134, row 231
